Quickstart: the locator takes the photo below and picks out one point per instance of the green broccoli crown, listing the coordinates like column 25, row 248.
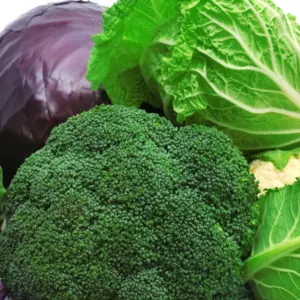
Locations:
column 122, row 205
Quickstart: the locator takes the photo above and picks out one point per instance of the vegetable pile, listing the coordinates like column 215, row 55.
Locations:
column 200, row 201
column 43, row 57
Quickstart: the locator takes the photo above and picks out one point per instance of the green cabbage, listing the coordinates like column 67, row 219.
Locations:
column 235, row 64
column 273, row 270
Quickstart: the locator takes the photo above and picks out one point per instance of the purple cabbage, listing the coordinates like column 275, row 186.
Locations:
column 2, row 292
column 43, row 59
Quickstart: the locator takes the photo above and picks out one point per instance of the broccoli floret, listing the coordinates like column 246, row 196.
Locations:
column 122, row 205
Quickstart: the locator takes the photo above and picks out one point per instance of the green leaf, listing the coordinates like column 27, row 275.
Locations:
column 273, row 269
column 114, row 62
column 279, row 158
column 235, row 64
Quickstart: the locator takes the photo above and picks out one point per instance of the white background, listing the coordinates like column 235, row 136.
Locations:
column 10, row 10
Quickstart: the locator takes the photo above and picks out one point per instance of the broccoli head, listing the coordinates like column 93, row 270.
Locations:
column 122, row 205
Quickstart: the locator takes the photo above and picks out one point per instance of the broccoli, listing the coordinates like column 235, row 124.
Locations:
column 122, row 205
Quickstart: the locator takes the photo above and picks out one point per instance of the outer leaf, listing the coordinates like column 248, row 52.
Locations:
column 114, row 62
column 235, row 64
column 274, row 267
column 279, row 158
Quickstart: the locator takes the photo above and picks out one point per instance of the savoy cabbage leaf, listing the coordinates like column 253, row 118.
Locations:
column 234, row 64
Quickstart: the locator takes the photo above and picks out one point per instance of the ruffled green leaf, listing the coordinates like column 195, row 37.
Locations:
column 114, row 62
column 236, row 64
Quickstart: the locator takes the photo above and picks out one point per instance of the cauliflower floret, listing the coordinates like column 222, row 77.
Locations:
column 271, row 177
